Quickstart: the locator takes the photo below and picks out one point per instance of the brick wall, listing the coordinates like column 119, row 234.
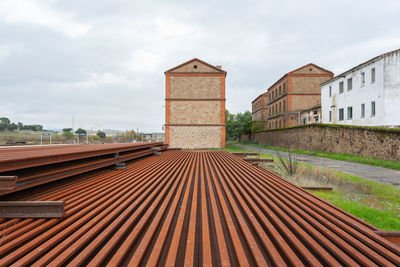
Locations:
column 195, row 106
column 302, row 102
column 195, row 66
column 362, row 141
column 307, row 84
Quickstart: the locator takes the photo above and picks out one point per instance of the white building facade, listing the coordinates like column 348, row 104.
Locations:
column 366, row 95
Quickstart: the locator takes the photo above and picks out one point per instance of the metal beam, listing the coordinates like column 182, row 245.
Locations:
column 8, row 182
column 317, row 188
column 31, row 209
column 392, row 236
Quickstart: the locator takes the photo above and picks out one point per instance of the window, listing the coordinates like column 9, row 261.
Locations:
column 362, row 78
column 341, row 85
column 349, row 113
column 373, row 108
column 284, row 87
column 280, row 107
column 330, row 91
column 373, row 75
column 330, row 115
column 362, row 110
column 341, row 114
column 349, row 84
column 280, row 90
column 284, row 105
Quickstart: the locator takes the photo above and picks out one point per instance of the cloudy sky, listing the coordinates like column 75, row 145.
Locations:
column 104, row 60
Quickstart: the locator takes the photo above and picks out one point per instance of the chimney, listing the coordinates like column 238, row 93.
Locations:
column 218, row 66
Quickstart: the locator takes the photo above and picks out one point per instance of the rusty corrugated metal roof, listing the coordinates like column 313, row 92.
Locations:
column 190, row 208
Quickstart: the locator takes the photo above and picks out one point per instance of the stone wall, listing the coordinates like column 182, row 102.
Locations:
column 188, row 137
column 193, row 112
column 361, row 141
column 195, row 87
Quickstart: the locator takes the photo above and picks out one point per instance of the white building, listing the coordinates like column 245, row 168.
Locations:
column 368, row 94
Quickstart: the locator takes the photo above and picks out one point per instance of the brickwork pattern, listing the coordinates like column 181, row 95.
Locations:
column 302, row 102
column 195, row 87
column 310, row 69
column 191, row 68
column 307, row 84
column 356, row 141
column 195, row 112
column 190, row 137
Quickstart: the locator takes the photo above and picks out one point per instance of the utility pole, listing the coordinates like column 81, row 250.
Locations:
column 73, row 121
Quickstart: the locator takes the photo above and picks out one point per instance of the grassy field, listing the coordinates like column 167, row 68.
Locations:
column 375, row 203
column 391, row 164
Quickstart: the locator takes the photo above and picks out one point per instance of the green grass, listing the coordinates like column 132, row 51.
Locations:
column 381, row 207
column 391, row 164
column 379, row 217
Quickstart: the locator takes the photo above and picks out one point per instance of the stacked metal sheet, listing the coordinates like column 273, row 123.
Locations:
column 25, row 167
column 189, row 208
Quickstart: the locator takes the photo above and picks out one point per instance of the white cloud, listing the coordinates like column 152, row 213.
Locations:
column 35, row 12
column 110, row 68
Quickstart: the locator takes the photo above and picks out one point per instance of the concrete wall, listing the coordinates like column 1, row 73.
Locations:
column 362, row 141
column 385, row 92
column 391, row 80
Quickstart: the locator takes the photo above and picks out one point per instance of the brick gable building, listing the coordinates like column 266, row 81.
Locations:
column 195, row 105
column 295, row 92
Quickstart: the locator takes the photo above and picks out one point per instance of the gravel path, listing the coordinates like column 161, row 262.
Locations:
column 373, row 173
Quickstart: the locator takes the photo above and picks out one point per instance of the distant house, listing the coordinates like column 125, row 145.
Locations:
column 154, row 137
column 368, row 94
column 259, row 108
column 284, row 102
column 311, row 115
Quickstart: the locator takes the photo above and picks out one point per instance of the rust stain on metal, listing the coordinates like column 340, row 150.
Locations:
column 190, row 208
column 34, row 166
column 7, row 182
column 31, row 209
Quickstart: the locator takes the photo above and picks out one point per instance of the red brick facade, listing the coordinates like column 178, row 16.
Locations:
column 296, row 91
column 195, row 105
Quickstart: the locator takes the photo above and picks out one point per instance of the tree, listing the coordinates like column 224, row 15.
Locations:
column 230, row 125
column 12, row 126
column 257, row 126
column 4, row 123
column 238, row 124
column 67, row 130
column 68, row 135
column 101, row 134
column 80, row 132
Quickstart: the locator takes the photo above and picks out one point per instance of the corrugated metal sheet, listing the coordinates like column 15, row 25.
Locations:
column 190, row 208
